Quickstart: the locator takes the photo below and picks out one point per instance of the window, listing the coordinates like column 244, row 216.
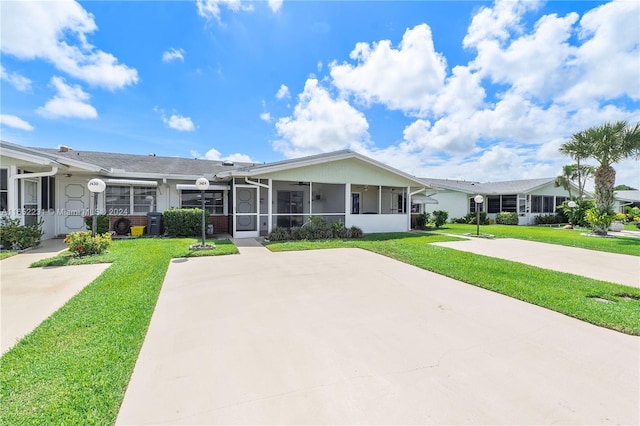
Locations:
column 472, row 205
column 48, row 194
column 509, row 203
column 542, row 204
column 4, row 193
column 121, row 200
column 493, row 204
column 213, row 200
column 560, row 200
column 502, row 203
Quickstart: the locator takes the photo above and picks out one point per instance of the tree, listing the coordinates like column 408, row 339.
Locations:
column 571, row 173
column 623, row 188
column 564, row 180
column 607, row 144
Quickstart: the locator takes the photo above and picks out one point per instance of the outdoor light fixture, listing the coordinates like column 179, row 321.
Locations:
column 572, row 205
column 479, row 199
column 96, row 186
column 202, row 184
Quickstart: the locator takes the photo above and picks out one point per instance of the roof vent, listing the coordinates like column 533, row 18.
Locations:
column 227, row 163
column 151, row 154
column 64, row 148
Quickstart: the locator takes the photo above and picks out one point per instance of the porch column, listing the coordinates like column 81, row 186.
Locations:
column 379, row 199
column 347, row 204
column 269, row 205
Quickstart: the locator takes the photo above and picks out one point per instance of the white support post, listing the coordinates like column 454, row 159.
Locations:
column 270, row 206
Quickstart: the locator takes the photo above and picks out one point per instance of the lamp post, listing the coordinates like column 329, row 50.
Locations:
column 478, row 199
column 96, row 186
column 202, row 184
column 572, row 205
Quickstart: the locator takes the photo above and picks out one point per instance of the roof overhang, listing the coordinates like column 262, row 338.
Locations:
column 423, row 199
column 131, row 182
column 315, row 160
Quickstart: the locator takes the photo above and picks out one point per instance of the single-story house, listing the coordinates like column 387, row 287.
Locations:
column 627, row 198
column 244, row 199
column 527, row 197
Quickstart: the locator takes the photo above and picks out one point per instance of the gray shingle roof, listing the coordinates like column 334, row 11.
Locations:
column 490, row 188
column 131, row 163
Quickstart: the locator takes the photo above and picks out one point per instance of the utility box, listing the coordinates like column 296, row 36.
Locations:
column 137, row 231
column 154, row 223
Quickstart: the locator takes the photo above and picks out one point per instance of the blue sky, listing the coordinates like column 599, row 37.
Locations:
column 445, row 89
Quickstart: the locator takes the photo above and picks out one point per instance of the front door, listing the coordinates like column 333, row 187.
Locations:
column 246, row 212
column 30, row 201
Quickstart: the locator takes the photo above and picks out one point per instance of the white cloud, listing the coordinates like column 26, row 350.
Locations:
column 320, row 123
column 19, row 82
column 15, row 122
column 606, row 62
column 265, row 116
column 210, row 9
column 173, row 54
column 70, row 101
column 283, row 92
column 215, row 155
column 180, row 123
column 56, row 31
column 275, row 5
column 407, row 78
column 499, row 21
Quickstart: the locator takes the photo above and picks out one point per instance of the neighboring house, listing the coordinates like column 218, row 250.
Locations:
column 244, row 199
column 630, row 198
column 528, row 198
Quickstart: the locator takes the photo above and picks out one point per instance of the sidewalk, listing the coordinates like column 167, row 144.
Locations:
column 616, row 268
column 28, row 296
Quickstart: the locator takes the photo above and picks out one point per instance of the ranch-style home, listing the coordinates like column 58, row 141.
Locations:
column 243, row 199
column 528, row 197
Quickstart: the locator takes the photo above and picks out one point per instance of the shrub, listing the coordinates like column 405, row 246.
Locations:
column 548, row 219
column 507, row 218
column 103, row 223
column 182, row 222
column 316, row 229
column 622, row 217
column 471, row 218
column 599, row 219
column 18, row 237
column 459, row 220
column 440, row 217
column 422, row 220
column 83, row 244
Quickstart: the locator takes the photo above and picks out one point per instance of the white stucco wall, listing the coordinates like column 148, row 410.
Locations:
column 455, row 203
column 371, row 223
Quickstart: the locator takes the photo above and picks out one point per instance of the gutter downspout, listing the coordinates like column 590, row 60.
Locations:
column 12, row 184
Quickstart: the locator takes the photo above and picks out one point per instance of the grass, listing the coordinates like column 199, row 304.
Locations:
column 565, row 293
column 7, row 253
column 74, row 368
column 565, row 237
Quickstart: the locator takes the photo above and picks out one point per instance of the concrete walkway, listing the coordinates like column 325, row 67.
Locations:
column 615, row 268
column 28, row 296
column 346, row 336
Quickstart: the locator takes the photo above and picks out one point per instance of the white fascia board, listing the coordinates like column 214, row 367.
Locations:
column 193, row 186
column 31, row 158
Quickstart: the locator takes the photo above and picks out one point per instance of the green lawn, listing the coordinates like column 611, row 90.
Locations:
column 565, row 237
column 565, row 293
column 74, row 368
column 7, row 253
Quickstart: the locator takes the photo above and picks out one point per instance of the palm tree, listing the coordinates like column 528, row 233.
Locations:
column 607, row 144
column 569, row 174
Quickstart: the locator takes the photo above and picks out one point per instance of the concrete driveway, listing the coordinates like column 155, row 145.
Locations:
column 28, row 296
column 346, row 336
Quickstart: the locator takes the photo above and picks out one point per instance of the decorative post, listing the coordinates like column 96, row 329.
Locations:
column 479, row 200
column 203, row 184
column 572, row 205
column 96, row 186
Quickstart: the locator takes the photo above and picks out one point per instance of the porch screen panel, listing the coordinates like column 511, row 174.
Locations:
column 549, row 205
column 509, row 203
column 536, row 204
column 4, row 198
column 290, row 208
column 493, row 204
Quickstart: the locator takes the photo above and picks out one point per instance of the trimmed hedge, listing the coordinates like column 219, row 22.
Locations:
column 507, row 218
column 316, row 229
column 183, row 222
